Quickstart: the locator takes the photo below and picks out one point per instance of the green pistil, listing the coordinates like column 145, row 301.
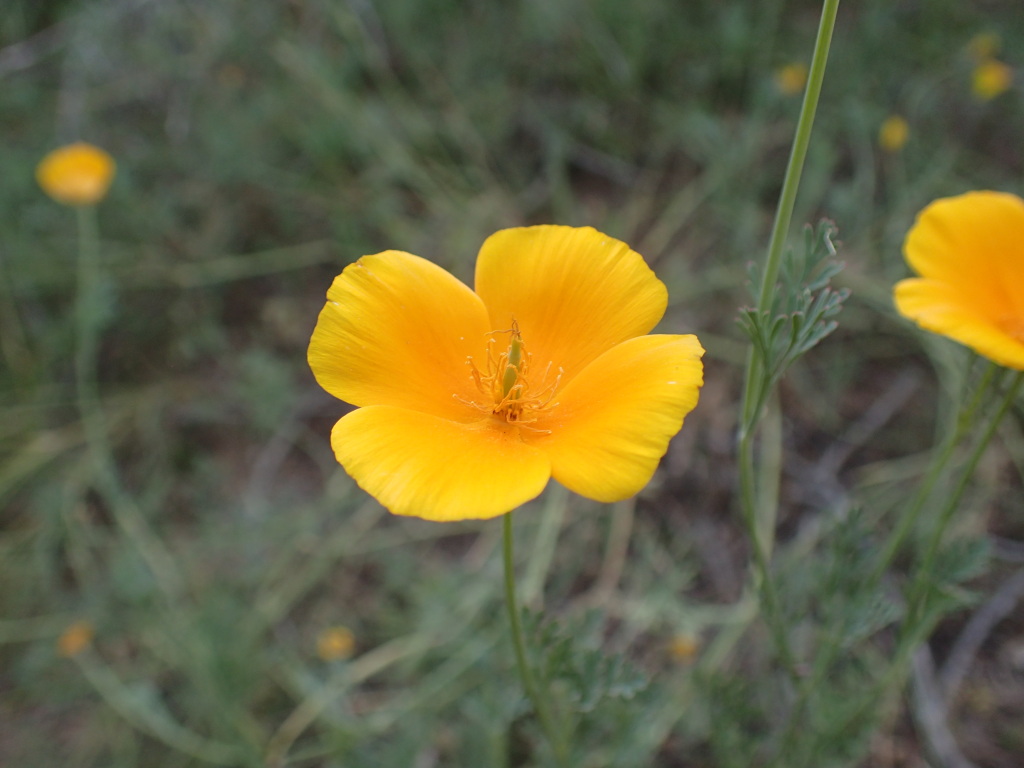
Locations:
column 512, row 362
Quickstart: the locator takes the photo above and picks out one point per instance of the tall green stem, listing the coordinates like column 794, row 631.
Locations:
column 916, row 627
column 918, row 589
column 759, row 496
column 783, row 216
column 939, row 464
column 540, row 704
column 86, row 320
column 88, row 323
column 802, row 139
column 963, row 422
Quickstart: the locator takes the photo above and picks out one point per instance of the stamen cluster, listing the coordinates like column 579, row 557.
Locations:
column 509, row 390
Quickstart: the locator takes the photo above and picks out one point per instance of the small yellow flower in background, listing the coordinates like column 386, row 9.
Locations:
column 984, row 45
column 78, row 174
column 471, row 401
column 791, row 78
column 969, row 254
column 335, row 643
column 75, row 639
column 990, row 79
column 893, row 133
column 683, row 648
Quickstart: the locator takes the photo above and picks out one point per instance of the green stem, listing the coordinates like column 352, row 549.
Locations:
column 791, row 184
column 87, row 322
column 759, row 500
column 787, row 199
column 540, row 704
column 964, row 421
column 126, row 512
column 783, row 216
column 769, row 473
column 913, row 629
column 918, row 589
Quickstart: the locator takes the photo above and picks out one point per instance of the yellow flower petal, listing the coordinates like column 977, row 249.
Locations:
column 991, row 78
column 683, row 647
column 397, row 330
column 424, row 466
column 335, row 643
column 969, row 250
column 574, row 292
column 974, row 242
column 613, row 422
column 78, row 174
column 939, row 308
column 984, row 45
column 893, row 133
column 75, row 639
column 791, row 78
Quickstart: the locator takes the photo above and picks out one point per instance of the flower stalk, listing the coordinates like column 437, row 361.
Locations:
column 540, row 704
column 759, row 489
column 965, row 421
column 125, row 510
column 918, row 588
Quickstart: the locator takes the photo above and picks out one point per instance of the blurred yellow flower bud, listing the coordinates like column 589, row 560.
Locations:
column 893, row 133
column 791, row 78
column 75, row 639
column 684, row 647
column 990, row 79
column 984, row 45
column 335, row 643
column 78, row 174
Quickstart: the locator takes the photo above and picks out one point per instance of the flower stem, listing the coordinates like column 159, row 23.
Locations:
column 802, row 139
column 964, row 422
column 918, row 589
column 540, row 705
column 759, row 490
column 87, row 326
column 915, row 628
column 783, row 216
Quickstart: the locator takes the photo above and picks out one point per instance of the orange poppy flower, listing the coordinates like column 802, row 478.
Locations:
column 77, row 174
column 893, row 133
column 335, row 643
column 969, row 253
column 75, row 639
column 470, row 401
column 791, row 78
column 991, row 78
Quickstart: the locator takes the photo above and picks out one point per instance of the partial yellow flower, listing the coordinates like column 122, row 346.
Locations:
column 791, row 78
column 78, row 174
column 470, row 401
column 683, row 647
column 75, row 639
column 984, row 45
column 969, row 253
column 893, row 133
column 990, row 79
column 335, row 643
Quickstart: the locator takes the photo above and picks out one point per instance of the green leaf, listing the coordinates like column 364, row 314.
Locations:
column 570, row 658
column 801, row 308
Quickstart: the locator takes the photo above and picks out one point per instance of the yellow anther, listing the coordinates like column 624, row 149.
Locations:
column 509, row 392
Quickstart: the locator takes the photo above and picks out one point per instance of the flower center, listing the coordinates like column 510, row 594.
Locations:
column 509, row 390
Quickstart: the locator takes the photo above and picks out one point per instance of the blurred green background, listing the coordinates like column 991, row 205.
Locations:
column 264, row 145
